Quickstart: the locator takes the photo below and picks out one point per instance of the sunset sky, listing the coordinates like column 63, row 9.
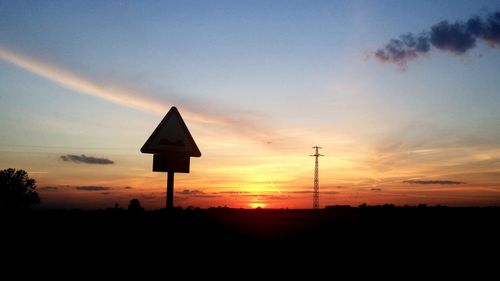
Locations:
column 84, row 83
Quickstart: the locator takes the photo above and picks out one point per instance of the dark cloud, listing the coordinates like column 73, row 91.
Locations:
column 376, row 189
column 332, row 187
column 487, row 29
column 329, row 192
column 93, row 188
column 458, row 38
column 190, row 192
column 86, row 159
column 433, row 182
column 197, row 193
column 406, row 47
column 86, row 188
column 455, row 37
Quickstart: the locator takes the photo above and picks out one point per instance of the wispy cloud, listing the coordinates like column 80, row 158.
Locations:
column 239, row 121
column 232, row 192
column 311, row 192
column 83, row 85
column 48, row 188
column 197, row 193
column 86, row 159
column 93, row 188
column 66, row 188
column 190, row 192
column 433, row 182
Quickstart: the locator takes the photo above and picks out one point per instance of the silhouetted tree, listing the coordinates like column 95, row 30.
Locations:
column 135, row 206
column 17, row 190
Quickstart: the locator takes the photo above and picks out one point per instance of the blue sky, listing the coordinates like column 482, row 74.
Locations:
column 258, row 82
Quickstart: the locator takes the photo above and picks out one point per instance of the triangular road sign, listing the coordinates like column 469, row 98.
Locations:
column 171, row 137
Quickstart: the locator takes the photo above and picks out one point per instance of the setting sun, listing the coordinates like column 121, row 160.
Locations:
column 255, row 205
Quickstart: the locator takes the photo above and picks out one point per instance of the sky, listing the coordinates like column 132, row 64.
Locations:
column 83, row 84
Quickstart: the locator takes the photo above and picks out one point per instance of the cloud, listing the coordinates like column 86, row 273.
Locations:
column 275, row 197
column 48, row 188
column 72, row 81
column 376, row 189
column 329, row 192
column 406, row 47
column 93, row 188
column 86, row 159
column 432, row 182
column 197, row 193
column 454, row 37
column 266, row 196
column 232, row 192
column 190, row 192
column 55, row 187
column 487, row 29
column 86, row 188
column 457, row 37
column 311, row 192
column 240, row 121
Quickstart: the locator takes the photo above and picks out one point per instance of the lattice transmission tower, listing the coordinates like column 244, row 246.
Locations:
column 316, row 155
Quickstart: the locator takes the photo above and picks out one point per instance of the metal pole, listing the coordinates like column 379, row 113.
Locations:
column 316, row 177
column 316, row 182
column 170, row 190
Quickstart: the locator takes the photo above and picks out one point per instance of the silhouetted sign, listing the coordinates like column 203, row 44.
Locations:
column 162, row 163
column 172, row 146
column 171, row 137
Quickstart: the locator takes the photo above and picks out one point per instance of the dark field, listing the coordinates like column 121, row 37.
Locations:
column 338, row 228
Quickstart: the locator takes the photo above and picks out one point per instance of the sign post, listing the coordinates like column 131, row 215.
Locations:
column 172, row 146
column 170, row 189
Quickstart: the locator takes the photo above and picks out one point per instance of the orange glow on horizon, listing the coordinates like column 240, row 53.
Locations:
column 255, row 205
